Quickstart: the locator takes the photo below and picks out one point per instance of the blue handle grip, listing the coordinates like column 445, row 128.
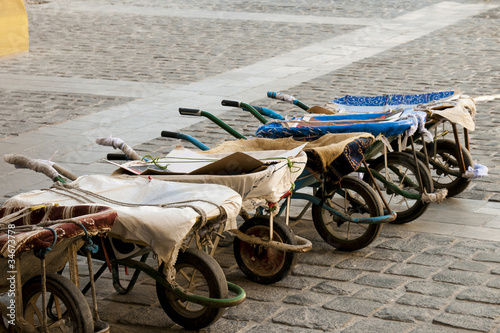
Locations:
column 176, row 135
column 268, row 113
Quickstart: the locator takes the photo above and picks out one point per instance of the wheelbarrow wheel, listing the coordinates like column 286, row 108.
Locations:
column 353, row 198
column 72, row 311
column 261, row 264
column 402, row 171
column 196, row 273
column 445, row 154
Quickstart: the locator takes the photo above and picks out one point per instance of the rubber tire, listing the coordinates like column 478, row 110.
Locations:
column 458, row 185
column 68, row 293
column 407, row 161
column 265, row 271
column 371, row 199
column 217, row 288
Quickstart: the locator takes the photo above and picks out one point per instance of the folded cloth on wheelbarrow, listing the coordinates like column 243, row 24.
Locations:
column 452, row 105
column 384, row 103
column 28, row 237
column 460, row 110
column 27, row 228
column 333, row 155
column 157, row 213
column 261, row 175
column 317, row 126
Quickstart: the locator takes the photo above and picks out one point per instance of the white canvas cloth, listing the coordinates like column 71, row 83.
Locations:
column 460, row 110
column 163, row 228
column 257, row 188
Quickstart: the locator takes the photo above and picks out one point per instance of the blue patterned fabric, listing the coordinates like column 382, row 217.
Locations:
column 388, row 128
column 392, row 99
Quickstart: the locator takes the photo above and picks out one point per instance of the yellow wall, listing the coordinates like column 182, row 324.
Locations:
column 13, row 27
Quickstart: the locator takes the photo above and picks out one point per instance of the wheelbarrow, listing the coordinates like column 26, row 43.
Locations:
column 361, row 202
column 160, row 217
column 36, row 242
column 450, row 161
column 406, row 180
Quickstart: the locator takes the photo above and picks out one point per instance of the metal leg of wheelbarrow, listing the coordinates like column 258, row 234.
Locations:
column 377, row 188
column 97, row 275
column 18, row 296
column 213, row 241
column 416, row 160
column 299, row 216
column 368, row 220
column 461, row 160
column 466, row 139
column 116, row 277
column 461, row 163
column 302, row 212
column 205, row 301
column 424, row 149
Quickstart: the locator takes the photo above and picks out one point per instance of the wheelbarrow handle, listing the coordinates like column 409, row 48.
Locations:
column 183, row 294
column 246, row 107
column 287, row 98
column 261, row 110
column 118, row 143
column 177, row 135
column 268, row 112
column 169, row 134
column 117, row 157
column 226, row 102
column 21, row 161
column 190, row 112
column 217, row 121
column 282, row 97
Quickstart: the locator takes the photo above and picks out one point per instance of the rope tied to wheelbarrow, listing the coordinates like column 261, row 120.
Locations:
column 117, row 143
column 40, row 253
column 89, row 247
column 80, row 194
column 438, row 196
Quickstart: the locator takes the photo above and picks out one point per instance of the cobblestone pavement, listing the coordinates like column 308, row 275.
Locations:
column 405, row 282
column 99, row 67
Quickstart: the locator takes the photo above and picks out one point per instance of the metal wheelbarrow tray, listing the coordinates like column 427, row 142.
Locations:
column 406, row 180
column 450, row 161
column 161, row 217
column 260, row 259
column 340, row 208
column 36, row 242
column 262, row 178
